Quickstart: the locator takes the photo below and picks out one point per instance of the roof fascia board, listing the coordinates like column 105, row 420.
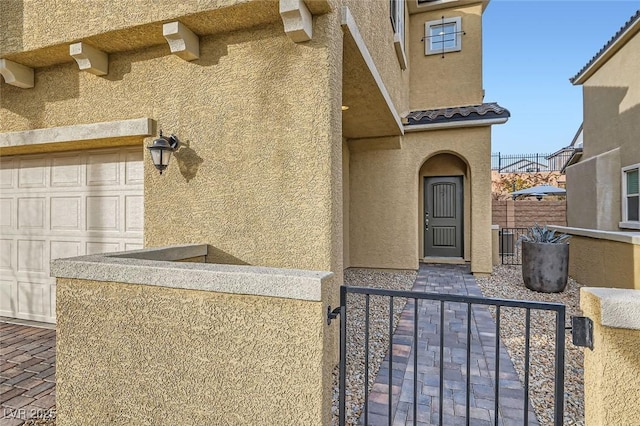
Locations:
column 455, row 124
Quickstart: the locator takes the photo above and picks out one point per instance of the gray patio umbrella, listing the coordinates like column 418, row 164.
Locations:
column 539, row 191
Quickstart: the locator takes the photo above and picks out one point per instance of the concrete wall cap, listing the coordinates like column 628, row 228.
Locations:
column 81, row 132
column 495, row 227
column 157, row 267
column 619, row 308
column 623, row 237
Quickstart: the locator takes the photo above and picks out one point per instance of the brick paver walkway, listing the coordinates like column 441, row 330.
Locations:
column 27, row 372
column 449, row 279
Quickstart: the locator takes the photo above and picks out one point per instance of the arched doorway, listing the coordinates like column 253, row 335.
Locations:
column 444, row 201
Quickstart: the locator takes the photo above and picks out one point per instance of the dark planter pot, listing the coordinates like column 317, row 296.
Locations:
column 545, row 266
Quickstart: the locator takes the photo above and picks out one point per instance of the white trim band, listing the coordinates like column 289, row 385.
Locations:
column 454, row 124
column 159, row 267
column 81, row 132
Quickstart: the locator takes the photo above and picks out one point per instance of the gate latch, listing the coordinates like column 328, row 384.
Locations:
column 331, row 315
column 582, row 332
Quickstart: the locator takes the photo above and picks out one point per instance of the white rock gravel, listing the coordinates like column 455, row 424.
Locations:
column 378, row 333
column 506, row 282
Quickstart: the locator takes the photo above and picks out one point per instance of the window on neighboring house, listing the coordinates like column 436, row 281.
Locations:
column 631, row 197
column 397, row 22
column 443, row 35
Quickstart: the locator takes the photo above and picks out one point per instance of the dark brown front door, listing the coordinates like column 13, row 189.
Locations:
column 443, row 197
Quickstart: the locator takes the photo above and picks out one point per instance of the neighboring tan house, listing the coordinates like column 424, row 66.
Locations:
column 315, row 135
column 602, row 186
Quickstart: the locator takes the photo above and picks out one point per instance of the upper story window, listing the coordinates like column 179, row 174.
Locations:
column 398, row 24
column 631, row 197
column 443, row 35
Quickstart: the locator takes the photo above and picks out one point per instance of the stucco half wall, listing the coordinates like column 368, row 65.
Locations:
column 161, row 342
column 604, row 258
column 385, row 211
column 611, row 385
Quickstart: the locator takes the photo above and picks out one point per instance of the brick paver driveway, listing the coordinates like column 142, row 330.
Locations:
column 27, row 372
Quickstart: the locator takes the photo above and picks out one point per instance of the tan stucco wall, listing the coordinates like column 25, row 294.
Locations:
column 603, row 263
column 374, row 25
column 134, row 354
column 611, row 98
column 254, row 179
column 33, row 24
column 611, row 385
column 593, row 192
column 456, row 79
column 612, row 106
column 385, row 212
column 346, row 202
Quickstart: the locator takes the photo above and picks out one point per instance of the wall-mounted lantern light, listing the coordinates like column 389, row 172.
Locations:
column 161, row 150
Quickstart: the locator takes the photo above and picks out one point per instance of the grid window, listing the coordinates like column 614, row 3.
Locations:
column 632, row 195
column 444, row 35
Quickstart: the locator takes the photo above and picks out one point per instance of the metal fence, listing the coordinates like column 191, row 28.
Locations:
column 529, row 163
column 441, row 309
column 509, row 249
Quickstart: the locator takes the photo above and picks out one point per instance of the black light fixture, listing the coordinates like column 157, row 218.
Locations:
column 161, row 150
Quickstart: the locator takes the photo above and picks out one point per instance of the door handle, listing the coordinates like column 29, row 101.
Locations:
column 426, row 221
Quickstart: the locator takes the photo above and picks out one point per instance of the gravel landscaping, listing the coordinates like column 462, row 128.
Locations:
column 506, row 282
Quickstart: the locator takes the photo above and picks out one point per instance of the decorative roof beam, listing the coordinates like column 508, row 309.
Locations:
column 182, row 41
column 297, row 20
column 16, row 74
column 89, row 58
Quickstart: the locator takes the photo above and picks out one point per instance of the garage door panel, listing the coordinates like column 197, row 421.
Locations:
column 103, row 169
column 94, row 247
column 7, row 174
column 134, row 170
column 8, row 297
column 34, row 299
column 63, row 249
column 32, row 173
column 31, row 256
column 66, row 213
column 31, row 213
column 6, row 213
column 6, row 254
column 103, row 213
column 66, row 172
column 64, row 205
column 133, row 246
column 134, row 213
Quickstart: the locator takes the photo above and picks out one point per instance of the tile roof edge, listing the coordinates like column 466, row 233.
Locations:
column 482, row 111
column 635, row 18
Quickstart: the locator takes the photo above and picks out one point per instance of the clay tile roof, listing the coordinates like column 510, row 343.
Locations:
column 606, row 47
column 461, row 113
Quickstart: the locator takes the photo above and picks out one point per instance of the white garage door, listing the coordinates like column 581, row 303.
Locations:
column 63, row 205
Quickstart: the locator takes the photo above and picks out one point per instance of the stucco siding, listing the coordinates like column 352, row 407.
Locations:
column 254, row 179
column 593, row 192
column 612, row 106
column 385, row 221
column 168, row 356
column 612, row 389
column 603, row 263
column 373, row 21
column 456, row 79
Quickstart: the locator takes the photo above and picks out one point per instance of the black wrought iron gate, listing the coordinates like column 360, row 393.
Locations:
column 459, row 313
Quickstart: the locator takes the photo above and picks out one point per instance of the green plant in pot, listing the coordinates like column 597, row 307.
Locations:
column 545, row 259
